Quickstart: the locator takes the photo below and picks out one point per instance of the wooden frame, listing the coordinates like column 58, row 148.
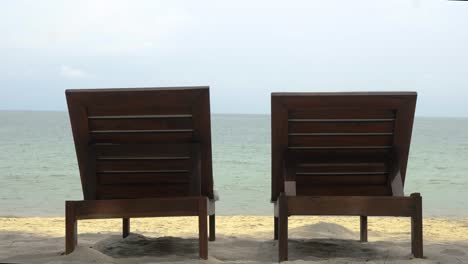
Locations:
column 142, row 152
column 153, row 207
column 342, row 154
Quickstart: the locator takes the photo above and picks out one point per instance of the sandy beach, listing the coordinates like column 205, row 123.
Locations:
column 240, row 239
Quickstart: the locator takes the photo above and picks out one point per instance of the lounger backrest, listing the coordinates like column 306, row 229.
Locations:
column 341, row 143
column 142, row 143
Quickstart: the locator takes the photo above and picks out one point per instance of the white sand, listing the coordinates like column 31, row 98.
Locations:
column 240, row 239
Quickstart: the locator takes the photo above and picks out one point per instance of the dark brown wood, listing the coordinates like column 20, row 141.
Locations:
column 279, row 133
column 351, row 205
column 143, row 152
column 343, row 154
column 142, row 138
column 143, row 178
column 417, row 227
column 275, row 226
column 167, row 123
column 202, row 228
column 126, row 116
column 195, row 181
column 283, row 227
column 329, row 117
column 128, row 151
column 71, row 228
column 105, row 192
column 143, row 207
column 343, row 190
column 125, row 227
column 363, row 229
column 340, row 127
column 325, row 179
column 338, row 112
column 339, row 140
column 394, row 180
column 91, row 191
column 212, row 227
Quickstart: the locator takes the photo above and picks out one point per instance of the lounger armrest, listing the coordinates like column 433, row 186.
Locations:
column 394, row 177
column 289, row 175
column 195, row 181
column 211, row 203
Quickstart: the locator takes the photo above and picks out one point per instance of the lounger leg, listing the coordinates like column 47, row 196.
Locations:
column 363, row 228
column 276, row 228
column 125, row 227
column 417, row 227
column 71, row 227
column 212, row 227
column 283, row 228
column 202, row 229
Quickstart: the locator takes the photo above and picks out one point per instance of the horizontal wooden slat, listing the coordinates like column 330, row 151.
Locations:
column 351, row 205
column 328, row 155
column 322, row 141
column 139, row 105
column 142, row 165
column 135, row 117
column 340, row 127
column 142, row 137
column 142, row 158
column 150, row 178
column 331, row 180
column 141, row 191
column 141, row 131
column 345, row 113
column 142, row 150
column 146, row 207
column 339, row 190
column 341, row 167
column 141, row 124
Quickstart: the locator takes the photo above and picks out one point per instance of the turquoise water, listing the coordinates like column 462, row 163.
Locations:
column 38, row 169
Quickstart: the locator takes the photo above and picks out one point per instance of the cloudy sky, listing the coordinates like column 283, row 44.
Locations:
column 242, row 49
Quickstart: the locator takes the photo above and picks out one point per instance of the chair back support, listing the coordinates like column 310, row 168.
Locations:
column 142, row 142
column 341, row 143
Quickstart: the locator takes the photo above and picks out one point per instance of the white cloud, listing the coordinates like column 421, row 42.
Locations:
column 69, row 72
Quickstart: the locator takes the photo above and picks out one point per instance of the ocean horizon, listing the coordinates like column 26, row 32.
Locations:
column 38, row 167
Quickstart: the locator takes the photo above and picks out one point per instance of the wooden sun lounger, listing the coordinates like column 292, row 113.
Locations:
column 342, row 154
column 142, row 153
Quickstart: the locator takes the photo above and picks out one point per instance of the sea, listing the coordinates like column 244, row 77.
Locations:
column 38, row 167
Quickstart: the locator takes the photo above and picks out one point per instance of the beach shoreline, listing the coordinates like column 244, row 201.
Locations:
column 239, row 238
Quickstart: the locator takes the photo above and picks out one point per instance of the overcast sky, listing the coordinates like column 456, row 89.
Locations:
column 243, row 50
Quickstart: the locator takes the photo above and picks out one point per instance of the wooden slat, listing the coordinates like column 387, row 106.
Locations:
column 149, row 207
column 340, row 167
column 330, row 155
column 351, row 205
column 150, row 178
column 339, row 190
column 330, row 179
column 340, row 127
column 141, row 131
column 141, row 124
column 135, row 138
column 325, row 141
column 135, row 117
column 141, row 165
column 146, row 107
column 142, row 150
column 344, row 113
column 141, row 191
